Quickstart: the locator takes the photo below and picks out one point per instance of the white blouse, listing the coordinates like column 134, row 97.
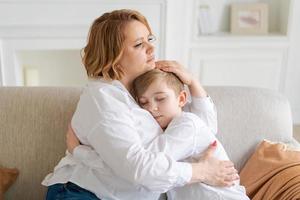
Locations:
column 118, row 160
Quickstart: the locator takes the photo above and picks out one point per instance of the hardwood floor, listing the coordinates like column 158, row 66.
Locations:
column 297, row 132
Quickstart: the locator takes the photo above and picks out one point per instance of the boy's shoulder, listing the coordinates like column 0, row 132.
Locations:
column 191, row 118
column 186, row 118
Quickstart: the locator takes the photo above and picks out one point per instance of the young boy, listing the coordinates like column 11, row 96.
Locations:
column 185, row 134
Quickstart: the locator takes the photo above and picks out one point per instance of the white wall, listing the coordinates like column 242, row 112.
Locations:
column 292, row 87
column 176, row 30
column 53, row 67
column 179, row 33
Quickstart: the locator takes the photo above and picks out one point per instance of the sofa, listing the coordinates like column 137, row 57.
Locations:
column 34, row 121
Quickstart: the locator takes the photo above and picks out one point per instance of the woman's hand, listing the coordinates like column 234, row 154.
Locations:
column 195, row 87
column 71, row 139
column 176, row 68
column 212, row 171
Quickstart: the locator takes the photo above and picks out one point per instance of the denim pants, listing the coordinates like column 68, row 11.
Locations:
column 69, row 191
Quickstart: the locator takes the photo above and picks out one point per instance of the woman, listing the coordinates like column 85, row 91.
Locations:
column 108, row 120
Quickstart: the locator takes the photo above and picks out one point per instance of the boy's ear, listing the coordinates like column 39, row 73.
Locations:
column 182, row 97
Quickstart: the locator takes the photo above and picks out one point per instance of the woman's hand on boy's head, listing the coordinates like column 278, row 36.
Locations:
column 176, row 68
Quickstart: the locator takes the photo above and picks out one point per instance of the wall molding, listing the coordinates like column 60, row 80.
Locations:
column 43, row 31
column 270, row 62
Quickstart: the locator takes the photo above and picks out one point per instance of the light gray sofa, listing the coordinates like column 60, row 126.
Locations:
column 33, row 122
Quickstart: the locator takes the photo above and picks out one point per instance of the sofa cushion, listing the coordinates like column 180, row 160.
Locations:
column 33, row 123
column 7, row 178
column 246, row 116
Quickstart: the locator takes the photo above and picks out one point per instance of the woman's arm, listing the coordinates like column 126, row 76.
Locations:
column 107, row 125
column 208, row 169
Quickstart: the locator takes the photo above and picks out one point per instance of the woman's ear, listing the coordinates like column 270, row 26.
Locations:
column 182, row 98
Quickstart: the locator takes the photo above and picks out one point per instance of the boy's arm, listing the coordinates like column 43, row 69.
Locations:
column 196, row 89
column 185, row 136
column 202, row 105
column 205, row 109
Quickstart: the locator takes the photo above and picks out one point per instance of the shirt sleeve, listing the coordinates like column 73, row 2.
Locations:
column 114, row 140
column 184, row 137
column 204, row 108
column 88, row 156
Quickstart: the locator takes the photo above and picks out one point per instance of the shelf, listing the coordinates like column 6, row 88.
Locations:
column 279, row 20
column 227, row 39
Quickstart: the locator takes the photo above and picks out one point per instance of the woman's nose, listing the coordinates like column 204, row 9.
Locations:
column 150, row 48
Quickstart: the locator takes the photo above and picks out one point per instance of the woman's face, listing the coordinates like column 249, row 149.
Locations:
column 138, row 55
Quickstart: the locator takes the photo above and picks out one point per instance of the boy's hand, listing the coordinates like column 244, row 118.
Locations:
column 176, row 68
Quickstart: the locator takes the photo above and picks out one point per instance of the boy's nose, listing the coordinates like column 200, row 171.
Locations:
column 153, row 108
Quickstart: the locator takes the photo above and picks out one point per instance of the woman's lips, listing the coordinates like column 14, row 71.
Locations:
column 151, row 59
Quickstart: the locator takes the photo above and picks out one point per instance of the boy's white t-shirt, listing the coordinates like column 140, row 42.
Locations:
column 185, row 138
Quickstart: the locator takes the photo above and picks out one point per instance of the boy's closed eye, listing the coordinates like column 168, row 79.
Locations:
column 160, row 99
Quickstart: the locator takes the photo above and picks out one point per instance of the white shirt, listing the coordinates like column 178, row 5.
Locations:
column 108, row 119
column 187, row 135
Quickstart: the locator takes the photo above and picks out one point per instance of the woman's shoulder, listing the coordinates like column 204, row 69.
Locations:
column 108, row 95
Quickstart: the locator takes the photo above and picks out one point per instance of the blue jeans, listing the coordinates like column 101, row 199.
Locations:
column 69, row 191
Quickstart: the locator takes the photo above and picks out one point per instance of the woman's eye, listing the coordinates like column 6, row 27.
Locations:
column 138, row 45
column 151, row 38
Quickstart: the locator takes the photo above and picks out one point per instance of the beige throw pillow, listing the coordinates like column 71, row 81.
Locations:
column 272, row 172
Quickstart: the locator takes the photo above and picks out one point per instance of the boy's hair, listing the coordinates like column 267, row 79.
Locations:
column 106, row 43
column 142, row 82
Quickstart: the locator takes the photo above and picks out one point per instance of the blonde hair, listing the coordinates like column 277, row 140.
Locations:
column 106, row 43
column 142, row 82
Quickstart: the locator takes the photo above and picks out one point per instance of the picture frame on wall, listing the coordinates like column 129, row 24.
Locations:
column 249, row 18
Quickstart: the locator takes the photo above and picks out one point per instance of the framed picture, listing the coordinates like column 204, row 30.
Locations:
column 249, row 18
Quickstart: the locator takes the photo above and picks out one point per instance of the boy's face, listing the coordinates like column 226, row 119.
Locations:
column 162, row 102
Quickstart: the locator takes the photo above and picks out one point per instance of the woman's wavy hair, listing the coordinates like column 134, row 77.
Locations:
column 105, row 43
